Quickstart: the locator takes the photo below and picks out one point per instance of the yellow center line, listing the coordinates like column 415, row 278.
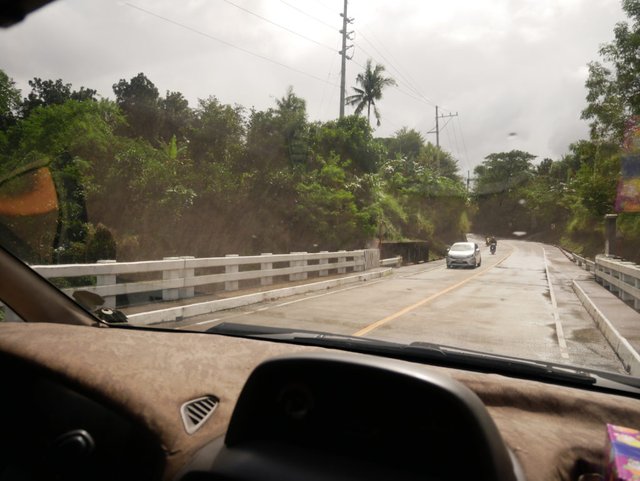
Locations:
column 412, row 307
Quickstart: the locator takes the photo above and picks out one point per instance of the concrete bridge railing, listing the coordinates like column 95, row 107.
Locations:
column 620, row 277
column 177, row 277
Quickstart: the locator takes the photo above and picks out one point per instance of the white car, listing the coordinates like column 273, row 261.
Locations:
column 465, row 254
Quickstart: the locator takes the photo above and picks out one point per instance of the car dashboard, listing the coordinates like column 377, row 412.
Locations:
column 82, row 402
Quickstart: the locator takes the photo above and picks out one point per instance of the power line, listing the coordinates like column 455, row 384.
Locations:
column 324, row 6
column 409, row 94
column 409, row 81
column 324, row 88
column 448, row 137
column 455, row 138
column 419, row 96
column 387, row 61
column 278, row 25
column 332, row 27
column 464, row 144
column 229, row 44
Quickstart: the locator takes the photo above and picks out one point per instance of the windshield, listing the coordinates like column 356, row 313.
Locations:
column 461, row 247
column 307, row 166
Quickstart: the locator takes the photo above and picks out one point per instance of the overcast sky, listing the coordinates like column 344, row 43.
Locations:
column 505, row 66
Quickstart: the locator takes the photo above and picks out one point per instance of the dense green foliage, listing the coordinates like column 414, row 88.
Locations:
column 145, row 176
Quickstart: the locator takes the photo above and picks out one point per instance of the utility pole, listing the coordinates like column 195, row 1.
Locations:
column 343, row 53
column 437, row 132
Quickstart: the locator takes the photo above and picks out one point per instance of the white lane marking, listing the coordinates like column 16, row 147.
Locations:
column 204, row 322
column 559, row 330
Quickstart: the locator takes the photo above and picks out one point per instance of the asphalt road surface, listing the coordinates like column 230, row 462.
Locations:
column 519, row 302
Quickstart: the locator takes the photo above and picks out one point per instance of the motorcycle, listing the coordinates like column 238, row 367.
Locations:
column 492, row 248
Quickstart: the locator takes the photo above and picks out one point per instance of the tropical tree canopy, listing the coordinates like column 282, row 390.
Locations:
column 372, row 81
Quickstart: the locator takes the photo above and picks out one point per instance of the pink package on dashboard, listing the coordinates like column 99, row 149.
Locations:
column 623, row 449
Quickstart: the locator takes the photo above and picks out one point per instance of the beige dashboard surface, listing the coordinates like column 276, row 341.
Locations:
column 554, row 431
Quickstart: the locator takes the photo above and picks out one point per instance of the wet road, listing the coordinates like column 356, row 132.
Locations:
column 519, row 302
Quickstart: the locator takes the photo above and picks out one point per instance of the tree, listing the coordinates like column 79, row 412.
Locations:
column 278, row 138
column 503, row 171
column 49, row 92
column 499, row 191
column 352, row 140
column 406, row 144
column 140, row 102
column 9, row 101
column 327, row 213
column 372, row 82
column 176, row 116
column 614, row 86
column 217, row 133
column 292, row 111
column 439, row 161
column 76, row 137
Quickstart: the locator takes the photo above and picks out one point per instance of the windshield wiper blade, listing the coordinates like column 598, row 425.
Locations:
column 416, row 351
column 478, row 360
column 297, row 335
column 436, row 354
column 555, row 371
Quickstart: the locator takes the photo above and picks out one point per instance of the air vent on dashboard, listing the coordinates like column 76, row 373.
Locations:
column 196, row 412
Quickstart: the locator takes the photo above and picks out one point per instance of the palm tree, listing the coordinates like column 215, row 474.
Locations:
column 371, row 82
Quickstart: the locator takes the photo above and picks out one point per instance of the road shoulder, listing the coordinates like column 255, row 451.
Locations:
column 618, row 322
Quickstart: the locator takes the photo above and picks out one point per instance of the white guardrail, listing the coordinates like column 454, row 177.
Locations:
column 620, row 277
column 177, row 277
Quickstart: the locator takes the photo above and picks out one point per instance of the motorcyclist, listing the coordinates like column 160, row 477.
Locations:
column 493, row 244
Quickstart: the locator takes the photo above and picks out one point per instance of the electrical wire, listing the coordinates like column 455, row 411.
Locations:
column 416, row 97
column 323, row 5
column 324, row 88
column 392, row 65
column 332, row 27
column 464, row 144
column 229, row 44
column 455, row 139
column 320, row 44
